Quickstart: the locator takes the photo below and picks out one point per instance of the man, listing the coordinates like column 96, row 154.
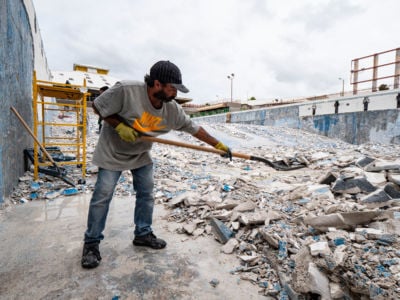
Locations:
column 131, row 109
column 100, row 121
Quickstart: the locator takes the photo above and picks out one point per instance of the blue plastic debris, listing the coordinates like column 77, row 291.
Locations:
column 387, row 239
column 374, row 250
column 282, row 250
column 70, row 191
column 35, row 186
column 359, row 268
column 316, row 238
column 227, row 188
column 292, row 264
column 303, row 201
column 277, row 287
column 391, row 262
column 247, row 168
column 284, row 295
column 289, row 209
column 375, row 291
column 382, row 271
column 339, row 241
column 34, row 195
column 284, row 225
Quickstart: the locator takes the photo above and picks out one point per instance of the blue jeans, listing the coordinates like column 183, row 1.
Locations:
column 143, row 184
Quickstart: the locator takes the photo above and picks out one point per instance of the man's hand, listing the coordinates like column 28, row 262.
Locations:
column 126, row 133
column 223, row 147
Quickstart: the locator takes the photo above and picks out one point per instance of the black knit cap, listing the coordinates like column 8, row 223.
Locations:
column 166, row 72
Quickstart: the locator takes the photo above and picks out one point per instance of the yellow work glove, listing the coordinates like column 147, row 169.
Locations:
column 126, row 133
column 223, row 147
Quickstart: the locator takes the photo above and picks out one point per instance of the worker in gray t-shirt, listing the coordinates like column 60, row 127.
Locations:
column 130, row 109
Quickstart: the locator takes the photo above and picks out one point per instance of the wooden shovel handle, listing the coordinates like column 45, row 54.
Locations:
column 190, row 146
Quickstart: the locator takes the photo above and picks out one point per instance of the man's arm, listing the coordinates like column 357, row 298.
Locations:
column 126, row 133
column 113, row 120
column 204, row 136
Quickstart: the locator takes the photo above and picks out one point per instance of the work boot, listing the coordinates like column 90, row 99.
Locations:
column 91, row 255
column 149, row 240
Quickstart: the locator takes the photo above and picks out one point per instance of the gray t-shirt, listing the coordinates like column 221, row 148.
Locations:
column 129, row 100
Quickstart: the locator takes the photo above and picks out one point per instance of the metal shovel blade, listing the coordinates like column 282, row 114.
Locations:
column 279, row 165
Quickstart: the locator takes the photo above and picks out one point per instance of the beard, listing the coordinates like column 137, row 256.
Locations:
column 161, row 95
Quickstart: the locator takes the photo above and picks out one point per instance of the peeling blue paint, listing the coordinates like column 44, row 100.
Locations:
column 1, row 175
column 16, row 61
column 262, row 116
column 381, row 126
column 323, row 123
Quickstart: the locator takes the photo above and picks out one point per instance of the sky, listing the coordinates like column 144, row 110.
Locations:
column 276, row 49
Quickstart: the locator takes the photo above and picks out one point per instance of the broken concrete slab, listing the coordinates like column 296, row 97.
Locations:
column 320, row 248
column 381, row 165
column 230, row 246
column 328, row 178
column 189, row 228
column 245, row 206
column 392, row 189
column 364, row 161
column 221, row 232
column 353, row 186
column 342, row 220
column 378, row 198
column 375, row 178
column 270, row 238
column 395, row 178
column 253, row 218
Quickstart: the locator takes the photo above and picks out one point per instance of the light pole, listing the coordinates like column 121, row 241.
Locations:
column 342, row 94
column 230, row 77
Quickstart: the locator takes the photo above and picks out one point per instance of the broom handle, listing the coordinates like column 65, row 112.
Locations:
column 33, row 135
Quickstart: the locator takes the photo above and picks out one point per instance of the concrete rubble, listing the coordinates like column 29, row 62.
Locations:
column 330, row 230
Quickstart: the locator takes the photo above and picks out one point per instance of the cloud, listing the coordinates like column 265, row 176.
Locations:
column 275, row 48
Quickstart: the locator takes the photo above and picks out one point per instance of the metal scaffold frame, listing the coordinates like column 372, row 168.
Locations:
column 70, row 98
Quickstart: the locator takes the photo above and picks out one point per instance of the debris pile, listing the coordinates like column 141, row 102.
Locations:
column 330, row 230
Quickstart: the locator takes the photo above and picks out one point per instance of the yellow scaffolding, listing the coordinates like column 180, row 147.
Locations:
column 71, row 98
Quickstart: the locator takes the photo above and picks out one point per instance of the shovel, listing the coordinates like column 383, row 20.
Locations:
column 59, row 172
column 277, row 165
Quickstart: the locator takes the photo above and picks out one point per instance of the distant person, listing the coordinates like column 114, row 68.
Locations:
column 131, row 109
column 100, row 121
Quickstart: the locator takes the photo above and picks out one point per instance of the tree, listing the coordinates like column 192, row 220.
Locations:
column 252, row 98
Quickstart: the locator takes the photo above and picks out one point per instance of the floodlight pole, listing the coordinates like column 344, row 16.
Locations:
column 342, row 94
column 230, row 77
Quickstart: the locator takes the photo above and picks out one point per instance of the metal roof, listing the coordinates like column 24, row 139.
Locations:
column 93, row 80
